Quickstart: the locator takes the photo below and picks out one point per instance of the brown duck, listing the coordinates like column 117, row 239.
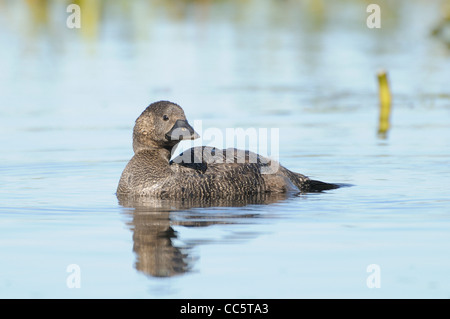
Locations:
column 201, row 172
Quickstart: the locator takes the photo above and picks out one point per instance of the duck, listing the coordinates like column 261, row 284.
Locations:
column 202, row 172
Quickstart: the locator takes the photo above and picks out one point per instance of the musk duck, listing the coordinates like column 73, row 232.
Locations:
column 200, row 172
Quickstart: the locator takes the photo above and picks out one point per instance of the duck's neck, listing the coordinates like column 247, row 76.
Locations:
column 159, row 155
column 155, row 162
column 163, row 152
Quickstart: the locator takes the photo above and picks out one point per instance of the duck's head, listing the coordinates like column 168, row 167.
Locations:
column 161, row 125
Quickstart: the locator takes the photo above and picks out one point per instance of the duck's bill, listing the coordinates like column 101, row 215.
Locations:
column 181, row 131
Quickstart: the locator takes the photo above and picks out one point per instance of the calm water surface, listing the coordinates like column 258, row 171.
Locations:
column 69, row 98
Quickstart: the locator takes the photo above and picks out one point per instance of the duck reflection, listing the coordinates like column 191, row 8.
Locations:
column 154, row 238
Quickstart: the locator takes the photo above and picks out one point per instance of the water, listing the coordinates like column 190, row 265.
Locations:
column 69, row 98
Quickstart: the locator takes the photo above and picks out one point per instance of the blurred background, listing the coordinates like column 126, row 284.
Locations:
column 218, row 58
column 242, row 63
column 69, row 98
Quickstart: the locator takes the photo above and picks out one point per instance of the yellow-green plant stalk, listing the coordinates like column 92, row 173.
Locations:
column 90, row 17
column 39, row 11
column 385, row 103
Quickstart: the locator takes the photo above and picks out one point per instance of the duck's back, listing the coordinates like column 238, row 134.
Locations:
column 232, row 171
column 207, row 172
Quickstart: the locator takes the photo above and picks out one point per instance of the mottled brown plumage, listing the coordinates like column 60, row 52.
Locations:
column 201, row 172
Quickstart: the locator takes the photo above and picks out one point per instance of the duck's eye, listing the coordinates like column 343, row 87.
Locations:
column 165, row 118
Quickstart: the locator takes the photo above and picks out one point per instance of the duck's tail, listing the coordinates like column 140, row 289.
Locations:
column 306, row 185
column 318, row 186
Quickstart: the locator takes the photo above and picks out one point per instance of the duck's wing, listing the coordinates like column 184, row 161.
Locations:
column 206, row 171
column 200, row 158
column 190, row 161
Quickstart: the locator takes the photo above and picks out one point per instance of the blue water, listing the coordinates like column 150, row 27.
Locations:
column 68, row 103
